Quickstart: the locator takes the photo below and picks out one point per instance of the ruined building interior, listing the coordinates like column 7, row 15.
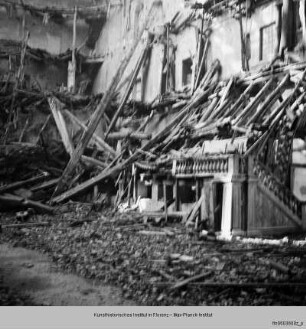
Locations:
column 185, row 113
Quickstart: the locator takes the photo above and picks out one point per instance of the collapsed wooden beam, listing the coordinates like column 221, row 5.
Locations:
column 198, row 97
column 239, row 285
column 128, row 134
column 185, row 282
column 269, row 100
column 98, row 114
column 25, row 225
column 191, row 216
column 286, row 102
column 98, row 140
column 129, row 89
column 55, row 107
column 253, row 103
column 9, row 199
column 14, row 186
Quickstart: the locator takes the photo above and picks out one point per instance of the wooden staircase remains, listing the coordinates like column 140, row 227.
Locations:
column 272, row 207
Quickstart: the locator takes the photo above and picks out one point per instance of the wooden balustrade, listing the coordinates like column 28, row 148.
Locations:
column 278, row 189
column 195, row 166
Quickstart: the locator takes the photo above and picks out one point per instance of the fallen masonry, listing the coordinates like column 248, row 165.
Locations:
column 156, row 161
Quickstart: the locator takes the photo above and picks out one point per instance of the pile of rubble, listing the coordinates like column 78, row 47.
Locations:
column 246, row 110
column 165, row 264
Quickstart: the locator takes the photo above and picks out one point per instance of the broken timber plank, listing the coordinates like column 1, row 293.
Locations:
column 99, row 141
column 98, row 114
column 19, row 201
column 253, row 103
column 190, row 217
column 55, row 106
column 110, row 171
column 202, row 64
column 240, row 102
column 166, row 275
column 62, row 128
column 129, row 89
column 43, row 128
column 152, row 233
column 129, row 134
column 183, row 283
column 93, row 162
column 226, row 91
column 278, row 266
column 13, row 186
column 45, row 185
column 25, row 225
column 269, row 100
column 240, row 284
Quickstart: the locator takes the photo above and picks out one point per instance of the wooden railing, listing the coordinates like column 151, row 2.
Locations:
column 196, row 166
column 278, row 189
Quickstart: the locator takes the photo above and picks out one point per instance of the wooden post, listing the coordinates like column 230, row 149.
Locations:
column 176, row 196
column 279, row 28
column 165, row 200
column 242, row 41
column 154, row 188
column 304, row 217
column 287, row 14
column 303, row 20
column 237, row 220
column 74, row 42
column 134, row 173
column 23, row 25
column 252, row 195
column 168, row 58
column 198, row 196
column 163, row 60
column 72, row 65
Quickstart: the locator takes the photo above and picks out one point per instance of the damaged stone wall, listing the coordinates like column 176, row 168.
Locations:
column 225, row 42
column 53, row 37
column 118, row 34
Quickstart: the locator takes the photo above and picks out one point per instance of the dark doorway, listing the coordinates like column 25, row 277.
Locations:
column 217, row 204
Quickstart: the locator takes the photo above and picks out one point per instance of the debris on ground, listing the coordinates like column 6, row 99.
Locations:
column 163, row 269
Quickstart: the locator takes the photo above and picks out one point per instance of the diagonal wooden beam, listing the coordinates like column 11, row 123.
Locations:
column 99, row 141
column 98, row 114
column 112, row 171
column 128, row 90
column 55, row 106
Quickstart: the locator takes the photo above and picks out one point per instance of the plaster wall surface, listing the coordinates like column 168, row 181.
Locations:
column 123, row 25
column 122, row 28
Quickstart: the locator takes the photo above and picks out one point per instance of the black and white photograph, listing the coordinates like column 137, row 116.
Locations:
column 153, row 153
